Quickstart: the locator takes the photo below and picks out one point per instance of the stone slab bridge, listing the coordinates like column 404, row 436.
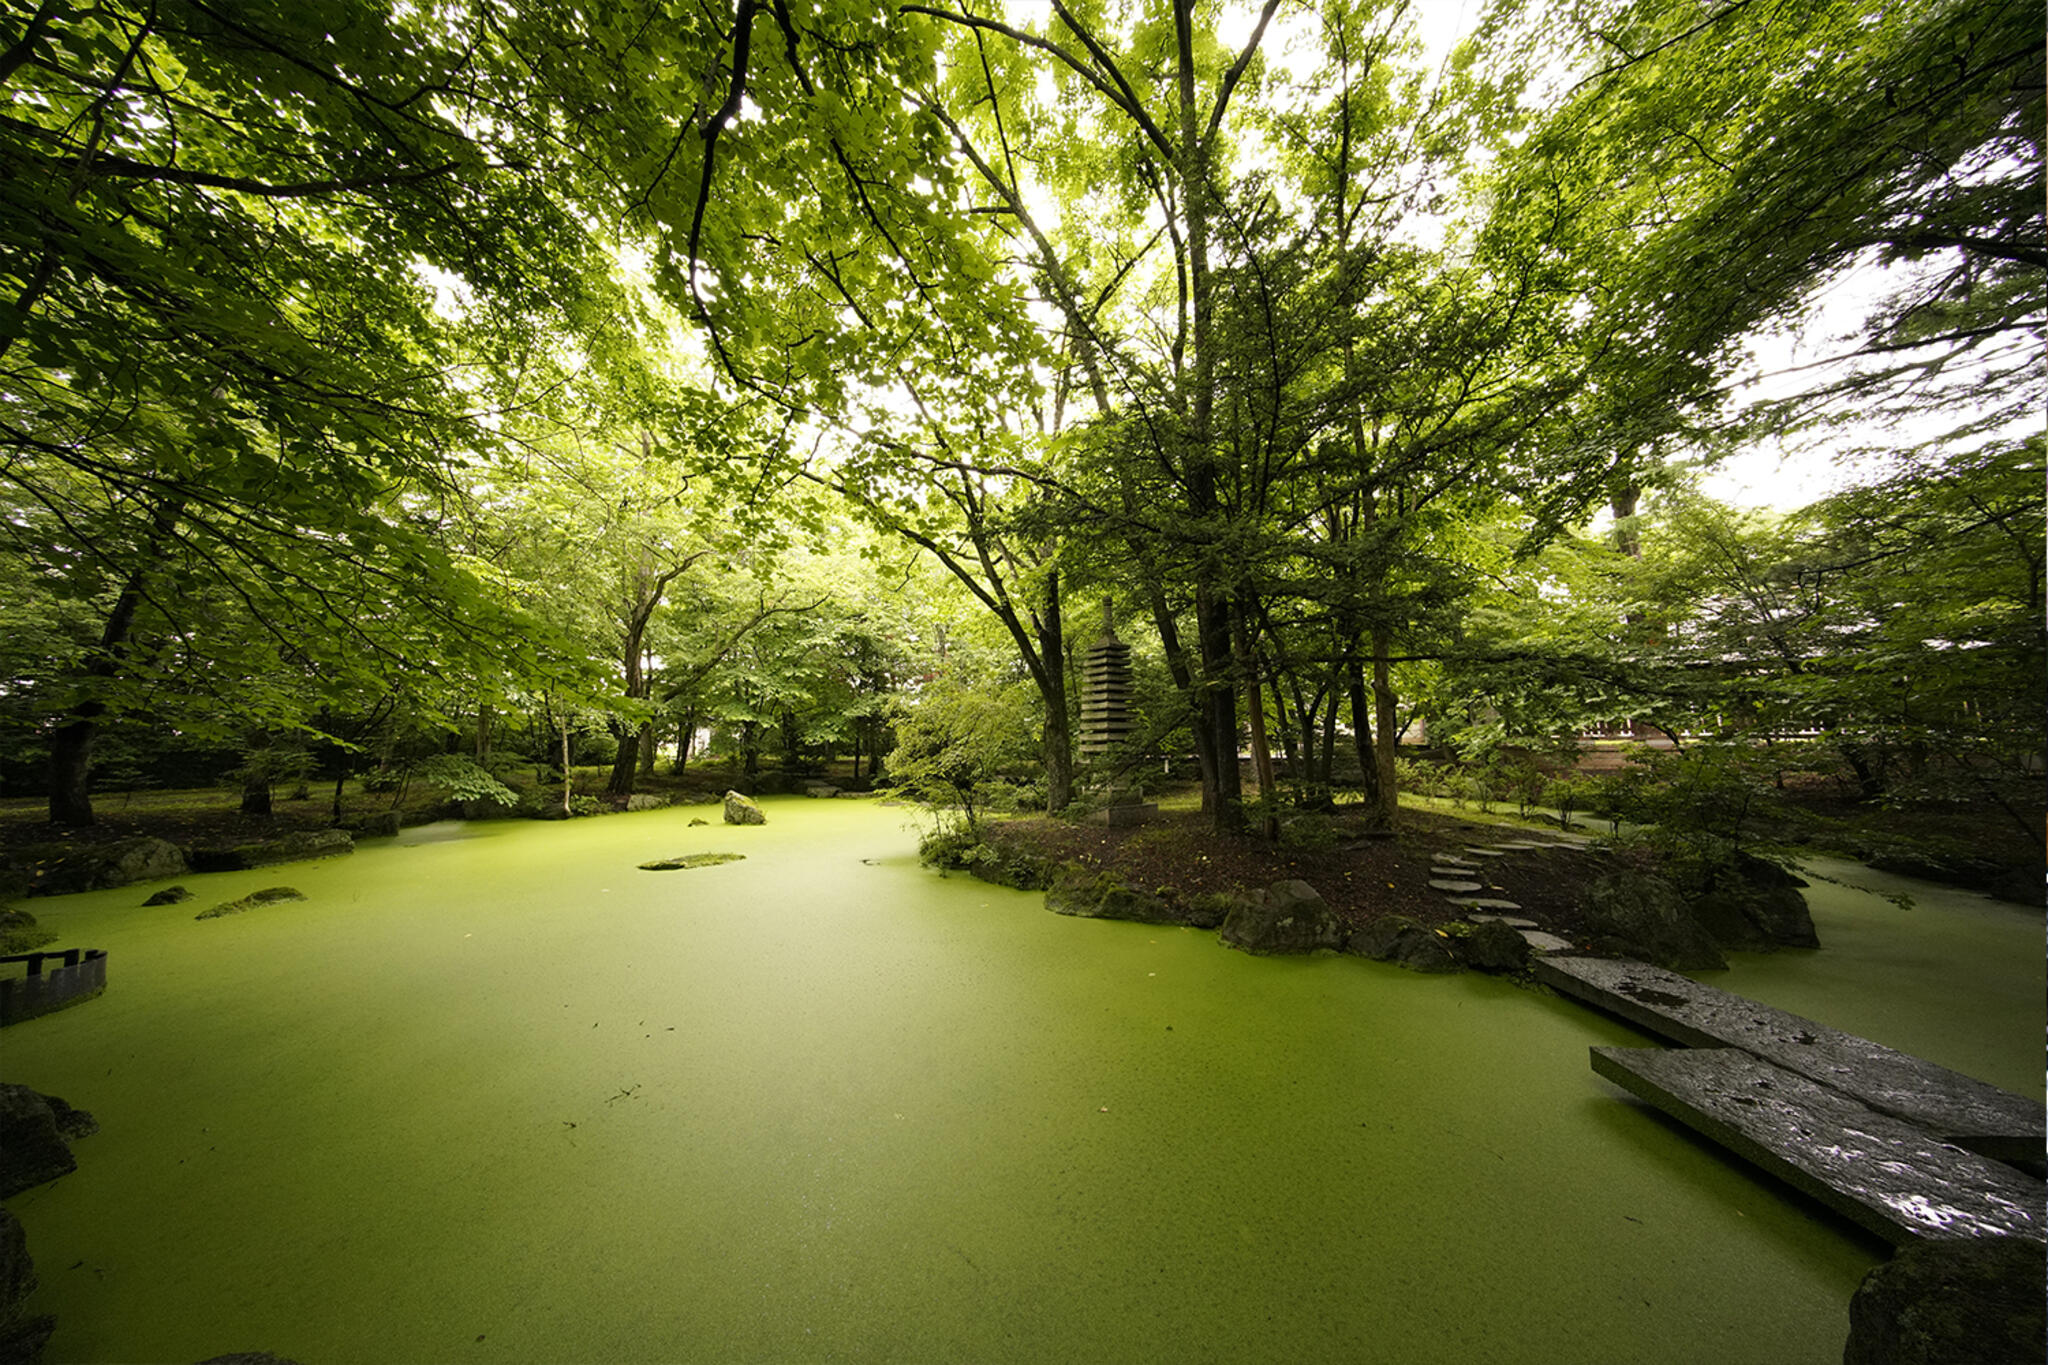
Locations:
column 1906, row 1149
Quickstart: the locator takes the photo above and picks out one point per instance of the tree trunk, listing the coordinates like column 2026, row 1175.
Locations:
column 71, row 765
column 1218, row 715
column 256, row 776
column 1387, row 721
column 625, row 760
column 71, row 746
column 1057, row 738
column 686, row 735
column 647, row 748
column 1255, row 718
column 1377, row 813
column 1327, row 764
column 1184, row 679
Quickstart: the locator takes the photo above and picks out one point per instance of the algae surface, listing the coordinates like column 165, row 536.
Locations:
column 491, row 1095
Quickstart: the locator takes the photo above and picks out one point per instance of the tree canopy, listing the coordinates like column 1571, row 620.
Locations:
column 368, row 364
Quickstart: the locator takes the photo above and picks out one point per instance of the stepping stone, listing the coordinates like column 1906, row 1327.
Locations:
column 1449, row 860
column 1511, row 921
column 1450, row 870
column 1949, row 1105
column 1446, row 884
column 1895, row 1178
column 1521, row 843
column 1492, row 903
column 1479, row 852
column 1545, row 943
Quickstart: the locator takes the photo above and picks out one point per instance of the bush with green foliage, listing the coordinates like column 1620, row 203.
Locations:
column 958, row 746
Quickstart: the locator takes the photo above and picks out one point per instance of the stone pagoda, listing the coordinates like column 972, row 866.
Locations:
column 1105, row 691
column 1106, row 717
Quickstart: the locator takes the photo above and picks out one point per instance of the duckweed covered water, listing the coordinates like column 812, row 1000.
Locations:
column 494, row 1094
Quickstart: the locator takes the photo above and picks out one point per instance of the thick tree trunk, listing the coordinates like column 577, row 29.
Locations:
column 1057, row 739
column 1225, row 802
column 71, row 746
column 256, row 776
column 1184, row 679
column 647, row 748
column 71, row 765
column 625, row 761
column 1255, row 718
column 1377, row 811
column 1387, row 721
column 686, row 735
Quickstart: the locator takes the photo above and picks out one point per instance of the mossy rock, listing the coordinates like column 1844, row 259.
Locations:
column 1491, row 946
column 19, row 933
column 1085, row 894
column 1746, row 902
column 1642, row 916
column 1286, row 917
column 1970, row 1302
column 961, row 850
column 97, row 867
column 170, row 895
column 690, row 860
column 1404, row 942
column 269, row 895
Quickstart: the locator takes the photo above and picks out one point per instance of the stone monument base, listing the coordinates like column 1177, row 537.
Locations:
column 1125, row 813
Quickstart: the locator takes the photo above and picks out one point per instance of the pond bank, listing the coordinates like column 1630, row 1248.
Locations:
column 492, row 1093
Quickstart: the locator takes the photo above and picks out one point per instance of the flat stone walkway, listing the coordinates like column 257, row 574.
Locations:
column 1892, row 1177
column 1947, row 1104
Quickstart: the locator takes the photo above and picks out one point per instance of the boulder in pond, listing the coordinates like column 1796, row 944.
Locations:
column 741, row 810
column 269, row 895
column 19, row 932
column 1404, row 942
column 382, row 825
column 1968, row 1302
column 22, row 1334
column 36, row 1132
column 96, row 867
column 645, row 801
column 170, row 895
column 1077, row 891
column 1286, row 917
column 297, row 846
column 1639, row 915
column 1493, row 947
column 1749, row 902
column 690, row 860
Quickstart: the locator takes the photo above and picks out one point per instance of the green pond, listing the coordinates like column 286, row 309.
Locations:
column 492, row 1093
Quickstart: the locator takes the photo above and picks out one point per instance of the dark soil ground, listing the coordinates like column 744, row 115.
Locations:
column 1362, row 877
